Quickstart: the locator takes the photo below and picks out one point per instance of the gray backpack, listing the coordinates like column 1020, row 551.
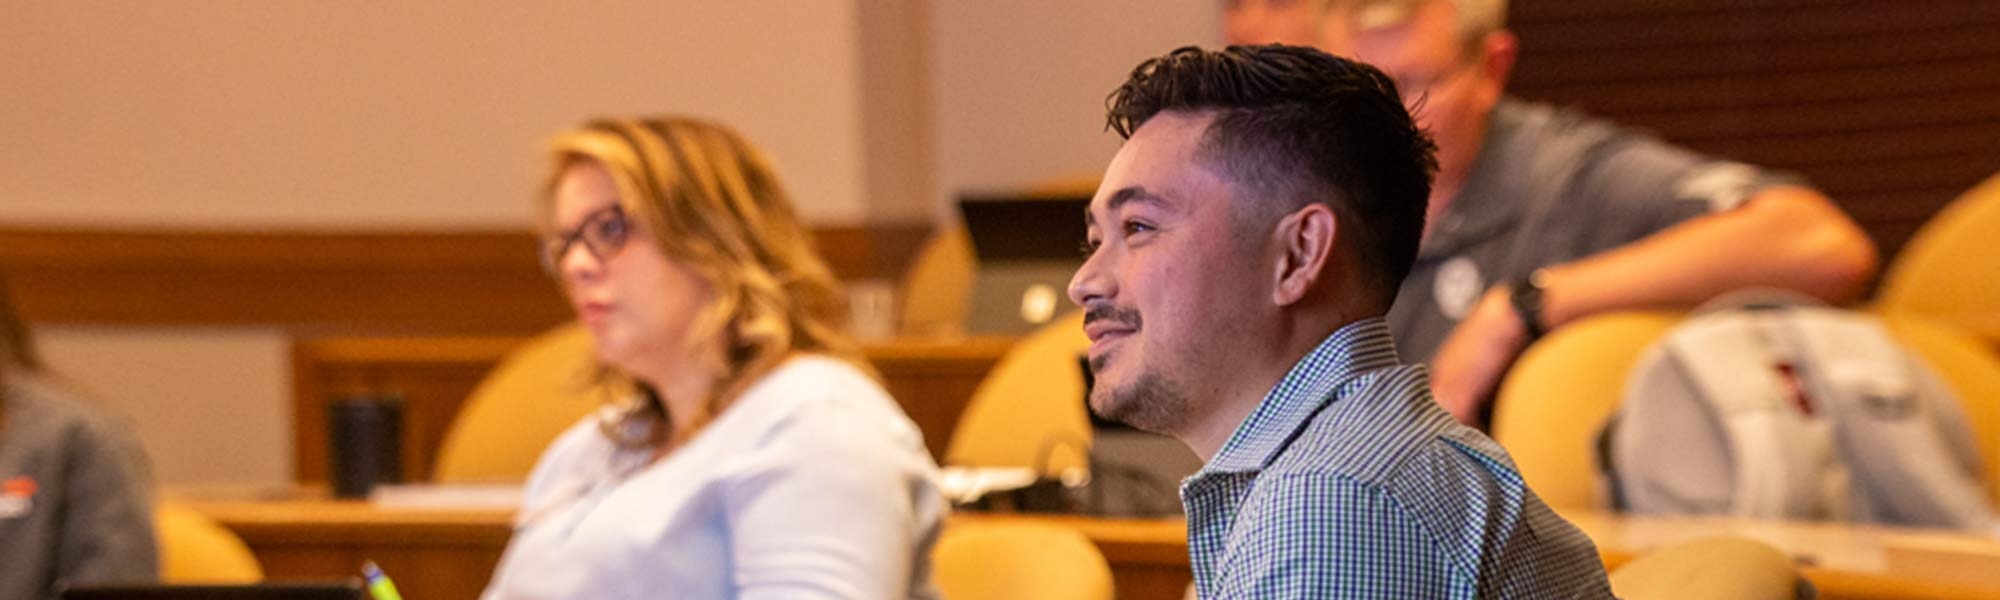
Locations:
column 1771, row 405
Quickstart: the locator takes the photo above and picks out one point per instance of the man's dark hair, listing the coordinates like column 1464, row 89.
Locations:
column 1296, row 125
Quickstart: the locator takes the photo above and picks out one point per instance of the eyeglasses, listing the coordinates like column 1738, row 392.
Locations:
column 1415, row 87
column 603, row 233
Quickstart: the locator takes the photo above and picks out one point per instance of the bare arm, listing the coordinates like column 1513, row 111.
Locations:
column 1786, row 237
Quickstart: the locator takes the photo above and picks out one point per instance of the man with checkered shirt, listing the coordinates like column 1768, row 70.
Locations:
column 1246, row 241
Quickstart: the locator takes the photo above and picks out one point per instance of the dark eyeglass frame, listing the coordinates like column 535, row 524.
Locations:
column 603, row 232
column 1422, row 87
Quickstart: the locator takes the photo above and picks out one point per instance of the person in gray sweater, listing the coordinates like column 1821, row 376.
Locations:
column 75, row 494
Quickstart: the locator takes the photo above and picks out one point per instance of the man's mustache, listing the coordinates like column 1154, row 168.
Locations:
column 1128, row 317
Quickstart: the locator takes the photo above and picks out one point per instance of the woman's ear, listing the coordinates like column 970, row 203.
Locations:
column 1305, row 241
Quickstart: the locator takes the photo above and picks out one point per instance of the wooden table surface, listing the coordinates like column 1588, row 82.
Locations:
column 442, row 554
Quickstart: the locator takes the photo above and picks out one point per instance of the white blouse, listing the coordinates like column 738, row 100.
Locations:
column 813, row 484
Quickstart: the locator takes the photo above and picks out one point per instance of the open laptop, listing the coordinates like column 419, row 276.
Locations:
column 332, row 590
column 1028, row 247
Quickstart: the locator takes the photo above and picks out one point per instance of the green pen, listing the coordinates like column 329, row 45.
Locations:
column 379, row 585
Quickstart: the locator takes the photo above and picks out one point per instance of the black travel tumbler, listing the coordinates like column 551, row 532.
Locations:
column 365, row 442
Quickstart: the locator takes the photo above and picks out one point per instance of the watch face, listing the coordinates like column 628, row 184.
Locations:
column 1527, row 301
column 1457, row 287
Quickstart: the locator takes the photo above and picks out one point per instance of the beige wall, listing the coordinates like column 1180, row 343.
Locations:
column 248, row 113
column 242, row 114
column 1021, row 84
column 208, row 403
column 898, row 108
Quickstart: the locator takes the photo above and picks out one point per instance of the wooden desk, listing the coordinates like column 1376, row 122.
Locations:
column 447, row 554
column 438, row 554
column 432, row 554
column 933, row 379
column 1859, row 562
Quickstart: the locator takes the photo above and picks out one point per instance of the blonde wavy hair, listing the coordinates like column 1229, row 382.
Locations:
column 710, row 200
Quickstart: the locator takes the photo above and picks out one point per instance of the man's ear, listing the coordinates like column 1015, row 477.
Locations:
column 1498, row 51
column 1305, row 240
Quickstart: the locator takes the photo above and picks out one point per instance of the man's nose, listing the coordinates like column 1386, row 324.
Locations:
column 1092, row 281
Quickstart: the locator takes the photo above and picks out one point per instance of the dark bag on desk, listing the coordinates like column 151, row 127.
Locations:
column 1768, row 406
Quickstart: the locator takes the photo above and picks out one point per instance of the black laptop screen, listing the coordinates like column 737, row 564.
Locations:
column 1024, row 228
column 337, row 590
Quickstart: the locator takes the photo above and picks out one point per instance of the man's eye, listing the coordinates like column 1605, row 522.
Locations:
column 1135, row 227
column 1088, row 247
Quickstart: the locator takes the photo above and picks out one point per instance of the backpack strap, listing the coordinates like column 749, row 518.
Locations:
column 1895, row 422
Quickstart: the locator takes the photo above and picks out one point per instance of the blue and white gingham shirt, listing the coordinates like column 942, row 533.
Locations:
column 1348, row 481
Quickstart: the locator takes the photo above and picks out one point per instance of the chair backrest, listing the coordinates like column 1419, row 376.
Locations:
column 195, row 550
column 1719, row 568
column 1029, row 406
column 1948, row 270
column 529, row 398
column 1557, row 395
column 937, row 290
column 1972, row 369
column 1004, row 560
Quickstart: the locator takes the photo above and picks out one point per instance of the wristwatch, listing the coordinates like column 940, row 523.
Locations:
column 1527, row 301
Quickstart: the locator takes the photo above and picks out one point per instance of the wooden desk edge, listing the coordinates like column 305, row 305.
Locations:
column 1141, row 543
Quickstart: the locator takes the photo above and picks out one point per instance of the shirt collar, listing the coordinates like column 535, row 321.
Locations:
column 1324, row 375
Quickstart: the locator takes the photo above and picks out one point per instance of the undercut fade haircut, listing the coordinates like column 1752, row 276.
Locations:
column 1294, row 126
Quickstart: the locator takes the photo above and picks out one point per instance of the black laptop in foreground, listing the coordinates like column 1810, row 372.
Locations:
column 331, row 590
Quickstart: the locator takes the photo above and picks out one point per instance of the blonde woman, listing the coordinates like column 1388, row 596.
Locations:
column 757, row 456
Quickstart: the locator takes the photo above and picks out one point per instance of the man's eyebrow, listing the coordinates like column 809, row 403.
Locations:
column 1133, row 194
column 1122, row 197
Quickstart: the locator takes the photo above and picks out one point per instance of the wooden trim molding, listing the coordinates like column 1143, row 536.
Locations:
column 934, row 380
column 331, row 281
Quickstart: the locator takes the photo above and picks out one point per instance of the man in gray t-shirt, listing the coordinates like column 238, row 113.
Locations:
column 1540, row 217
column 1588, row 187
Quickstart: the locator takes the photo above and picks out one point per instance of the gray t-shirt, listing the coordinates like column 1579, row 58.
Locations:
column 75, row 498
column 1552, row 186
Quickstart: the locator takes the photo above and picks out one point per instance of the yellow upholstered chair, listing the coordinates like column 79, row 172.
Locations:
column 1967, row 364
column 1029, row 406
column 1951, row 268
column 195, row 550
column 1720, row 568
column 1005, row 560
column 1558, row 394
column 529, row 398
column 937, row 290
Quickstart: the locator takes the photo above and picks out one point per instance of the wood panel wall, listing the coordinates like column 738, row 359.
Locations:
column 1892, row 107
column 369, row 282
